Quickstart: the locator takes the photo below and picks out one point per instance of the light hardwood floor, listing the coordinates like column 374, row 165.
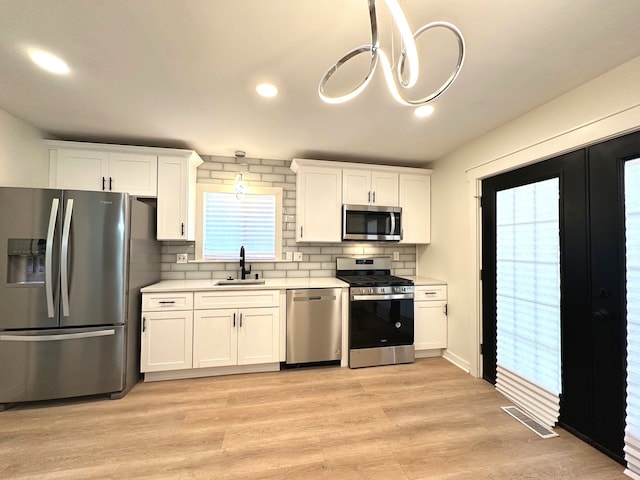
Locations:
column 427, row 420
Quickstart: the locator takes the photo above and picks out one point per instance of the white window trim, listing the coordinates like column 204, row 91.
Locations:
column 202, row 188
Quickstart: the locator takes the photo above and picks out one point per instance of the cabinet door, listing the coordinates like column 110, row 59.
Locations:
column 79, row 170
column 384, row 188
column 166, row 341
column 133, row 173
column 215, row 338
column 172, row 198
column 430, row 325
column 258, row 336
column 415, row 200
column 356, row 187
column 319, row 205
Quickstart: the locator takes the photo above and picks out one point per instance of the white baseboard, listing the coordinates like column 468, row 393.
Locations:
column 209, row 372
column 459, row 362
column 436, row 352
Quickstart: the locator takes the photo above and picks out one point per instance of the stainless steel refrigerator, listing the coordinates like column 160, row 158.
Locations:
column 71, row 267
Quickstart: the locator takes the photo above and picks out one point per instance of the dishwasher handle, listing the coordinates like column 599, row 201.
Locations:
column 315, row 298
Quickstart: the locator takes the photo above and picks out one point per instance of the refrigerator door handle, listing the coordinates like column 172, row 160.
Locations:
column 48, row 259
column 63, row 336
column 64, row 258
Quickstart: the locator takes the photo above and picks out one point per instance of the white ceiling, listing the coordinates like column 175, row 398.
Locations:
column 181, row 73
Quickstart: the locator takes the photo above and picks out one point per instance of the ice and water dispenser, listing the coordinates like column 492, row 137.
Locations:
column 25, row 262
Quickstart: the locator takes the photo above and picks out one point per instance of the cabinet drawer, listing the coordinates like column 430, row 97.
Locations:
column 430, row 292
column 236, row 299
column 167, row 301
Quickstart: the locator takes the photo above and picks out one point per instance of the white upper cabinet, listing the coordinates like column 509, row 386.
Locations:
column 176, row 205
column 318, row 203
column 415, row 200
column 99, row 167
column 134, row 173
column 369, row 187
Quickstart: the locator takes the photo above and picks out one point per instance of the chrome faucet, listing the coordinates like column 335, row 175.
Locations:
column 243, row 272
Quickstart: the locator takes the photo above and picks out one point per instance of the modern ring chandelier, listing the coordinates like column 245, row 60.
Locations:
column 408, row 56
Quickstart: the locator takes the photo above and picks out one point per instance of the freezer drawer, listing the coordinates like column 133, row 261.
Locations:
column 60, row 363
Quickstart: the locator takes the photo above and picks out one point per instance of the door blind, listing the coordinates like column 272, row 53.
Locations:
column 528, row 298
column 632, row 225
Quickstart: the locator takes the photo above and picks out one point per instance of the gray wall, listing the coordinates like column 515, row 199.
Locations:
column 318, row 259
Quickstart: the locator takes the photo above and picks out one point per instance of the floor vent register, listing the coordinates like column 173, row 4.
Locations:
column 529, row 422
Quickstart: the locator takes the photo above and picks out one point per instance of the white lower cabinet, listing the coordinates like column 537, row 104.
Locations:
column 166, row 341
column 230, row 336
column 430, row 317
column 209, row 334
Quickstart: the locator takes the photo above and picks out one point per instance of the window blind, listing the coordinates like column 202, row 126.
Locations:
column 528, row 298
column 632, row 226
column 229, row 222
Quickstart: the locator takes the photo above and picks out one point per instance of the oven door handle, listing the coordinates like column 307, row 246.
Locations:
column 399, row 296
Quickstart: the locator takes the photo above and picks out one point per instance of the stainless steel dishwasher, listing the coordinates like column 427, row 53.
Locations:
column 314, row 325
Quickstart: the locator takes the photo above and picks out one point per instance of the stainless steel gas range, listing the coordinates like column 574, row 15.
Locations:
column 380, row 312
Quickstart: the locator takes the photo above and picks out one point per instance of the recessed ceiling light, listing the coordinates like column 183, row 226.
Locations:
column 423, row 111
column 267, row 90
column 49, row 62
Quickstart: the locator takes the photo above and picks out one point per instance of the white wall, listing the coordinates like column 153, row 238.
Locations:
column 24, row 160
column 605, row 107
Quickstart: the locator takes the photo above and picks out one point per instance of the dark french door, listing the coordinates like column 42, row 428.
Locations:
column 592, row 279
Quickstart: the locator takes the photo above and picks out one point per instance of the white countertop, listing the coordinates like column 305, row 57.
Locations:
column 420, row 281
column 269, row 284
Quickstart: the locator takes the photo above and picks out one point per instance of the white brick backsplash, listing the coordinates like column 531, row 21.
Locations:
column 309, row 266
column 184, row 267
column 332, row 250
column 210, row 166
column 403, row 271
column 266, row 177
column 172, row 275
column 287, row 266
column 283, row 171
column 210, row 267
column 319, row 258
column 297, row 273
column 276, row 163
column 322, row 273
column 260, row 169
column 197, row 275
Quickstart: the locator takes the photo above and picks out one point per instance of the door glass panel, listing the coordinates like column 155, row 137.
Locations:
column 632, row 224
column 528, row 283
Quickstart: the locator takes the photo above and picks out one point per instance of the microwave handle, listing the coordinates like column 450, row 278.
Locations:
column 393, row 222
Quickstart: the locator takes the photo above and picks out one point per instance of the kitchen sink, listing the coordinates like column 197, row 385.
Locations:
column 237, row 281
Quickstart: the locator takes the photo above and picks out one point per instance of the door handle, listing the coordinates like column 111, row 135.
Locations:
column 144, row 324
column 374, row 197
column 48, row 259
column 64, row 258
column 110, row 184
column 55, row 337
column 182, row 229
column 234, row 320
column 103, row 183
column 601, row 314
column 240, row 320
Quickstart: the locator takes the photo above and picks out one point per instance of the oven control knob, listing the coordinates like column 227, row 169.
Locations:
column 398, row 324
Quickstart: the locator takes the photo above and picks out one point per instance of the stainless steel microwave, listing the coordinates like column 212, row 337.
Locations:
column 368, row 222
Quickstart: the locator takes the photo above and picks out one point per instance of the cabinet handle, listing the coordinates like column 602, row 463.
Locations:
column 234, row 320
column 240, row 320
column 110, row 184
column 144, row 323
column 431, row 292
column 369, row 197
column 301, row 231
column 374, row 197
column 182, row 229
column 167, row 302
column 103, row 183
column 446, row 309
